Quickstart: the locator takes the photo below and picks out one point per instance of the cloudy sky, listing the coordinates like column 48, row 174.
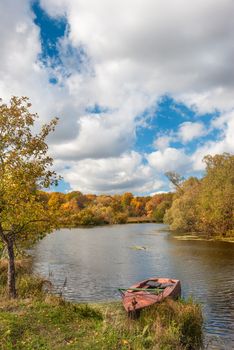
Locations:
column 141, row 87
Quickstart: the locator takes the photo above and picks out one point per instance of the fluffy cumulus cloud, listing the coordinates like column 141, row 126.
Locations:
column 169, row 159
column 20, row 44
column 191, row 130
column 113, row 175
column 225, row 142
column 162, row 142
column 122, row 56
column 156, row 46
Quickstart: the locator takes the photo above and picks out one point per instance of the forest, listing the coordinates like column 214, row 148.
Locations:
column 202, row 206
column 76, row 208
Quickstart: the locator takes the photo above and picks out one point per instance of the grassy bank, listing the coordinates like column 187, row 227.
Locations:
column 37, row 320
column 199, row 237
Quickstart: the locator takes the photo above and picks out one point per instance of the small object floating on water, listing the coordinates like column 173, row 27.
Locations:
column 138, row 247
column 147, row 293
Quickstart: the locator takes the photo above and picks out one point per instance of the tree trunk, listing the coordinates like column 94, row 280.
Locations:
column 11, row 269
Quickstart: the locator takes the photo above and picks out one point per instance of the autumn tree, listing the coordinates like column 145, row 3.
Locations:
column 25, row 167
column 161, row 209
column 175, row 178
column 206, row 205
column 153, row 203
column 157, row 206
column 183, row 214
column 79, row 197
column 216, row 199
column 56, row 199
column 138, row 205
column 126, row 199
column 70, row 206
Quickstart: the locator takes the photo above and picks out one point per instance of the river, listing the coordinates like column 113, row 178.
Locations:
column 90, row 264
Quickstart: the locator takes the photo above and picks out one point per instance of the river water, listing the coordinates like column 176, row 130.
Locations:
column 90, row 264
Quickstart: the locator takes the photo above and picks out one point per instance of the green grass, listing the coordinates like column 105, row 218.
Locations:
column 37, row 320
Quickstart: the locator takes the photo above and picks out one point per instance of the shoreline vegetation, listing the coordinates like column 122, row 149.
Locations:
column 39, row 320
column 77, row 209
column 205, row 207
column 140, row 220
column 194, row 237
column 200, row 207
column 182, row 236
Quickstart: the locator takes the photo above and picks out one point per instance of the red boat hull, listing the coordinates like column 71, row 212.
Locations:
column 135, row 299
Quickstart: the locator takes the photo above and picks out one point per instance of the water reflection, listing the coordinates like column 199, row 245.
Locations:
column 210, row 267
column 97, row 261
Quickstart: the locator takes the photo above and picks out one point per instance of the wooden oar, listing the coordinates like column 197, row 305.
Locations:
column 141, row 289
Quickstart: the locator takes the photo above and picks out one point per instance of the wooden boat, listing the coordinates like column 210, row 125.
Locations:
column 149, row 292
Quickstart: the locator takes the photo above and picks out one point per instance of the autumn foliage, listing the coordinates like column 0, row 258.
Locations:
column 76, row 208
column 206, row 205
column 25, row 166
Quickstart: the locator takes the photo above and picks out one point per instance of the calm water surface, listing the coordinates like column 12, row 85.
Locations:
column 97, row 261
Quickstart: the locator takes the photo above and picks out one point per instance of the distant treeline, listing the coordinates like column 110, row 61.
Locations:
column 76, row 208
column 203, row 205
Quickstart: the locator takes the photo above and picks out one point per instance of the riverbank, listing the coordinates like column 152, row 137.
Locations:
column 178, row 236
column 129, row 220
column 140, row 220
column 38, row 320
column 196, row 237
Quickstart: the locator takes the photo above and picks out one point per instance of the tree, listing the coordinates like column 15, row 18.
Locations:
column 159, row 212
column 175, row 179
column 216, row 199
column 126, row 199
column 25, row 167
column 156, row 202
column 56, row 199
column 206, row 205
column 183, row 214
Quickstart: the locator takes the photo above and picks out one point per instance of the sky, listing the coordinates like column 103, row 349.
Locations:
column 141, row 87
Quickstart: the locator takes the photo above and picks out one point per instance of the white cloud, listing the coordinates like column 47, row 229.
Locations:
column 189, row 131
column 162, row 142
column 225, row 143
column 112, row 175
column 23, row 74
column 169, row 159
column 179, row 48
column 19, row 45
column 98, row 137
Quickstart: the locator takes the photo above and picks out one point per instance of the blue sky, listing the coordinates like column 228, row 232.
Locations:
column 167, row 118
column 134, row 101
column 51, row 31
